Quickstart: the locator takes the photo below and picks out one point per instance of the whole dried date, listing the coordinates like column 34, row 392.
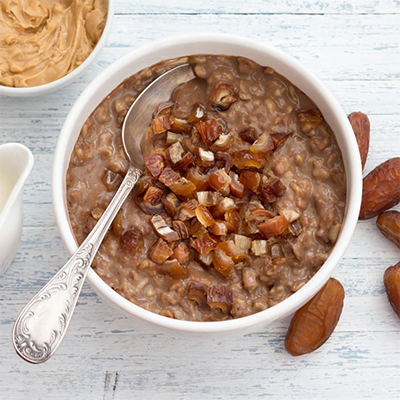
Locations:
column 361, row 127
column 389, row 224
column 392, row 285
column 381, row 189
column 312, row 325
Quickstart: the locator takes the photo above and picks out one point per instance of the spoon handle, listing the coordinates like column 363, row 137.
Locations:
column 42, row 324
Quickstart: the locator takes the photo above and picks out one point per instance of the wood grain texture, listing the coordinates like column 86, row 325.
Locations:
column 353, row 46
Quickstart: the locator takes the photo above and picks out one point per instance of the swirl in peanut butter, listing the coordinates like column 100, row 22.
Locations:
column 44, row 40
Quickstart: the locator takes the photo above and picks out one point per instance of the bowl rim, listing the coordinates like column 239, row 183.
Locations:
column 297, row 299
column 64, row 80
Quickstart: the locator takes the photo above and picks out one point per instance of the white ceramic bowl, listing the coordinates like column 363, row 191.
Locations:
column 65, row 80
column 212, row 44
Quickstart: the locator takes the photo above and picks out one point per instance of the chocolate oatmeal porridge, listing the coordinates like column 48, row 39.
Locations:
column 241, row 201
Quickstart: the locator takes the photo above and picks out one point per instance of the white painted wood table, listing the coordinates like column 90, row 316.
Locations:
column 354, row 47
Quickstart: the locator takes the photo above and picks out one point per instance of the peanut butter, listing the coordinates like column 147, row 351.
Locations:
column 44, row 40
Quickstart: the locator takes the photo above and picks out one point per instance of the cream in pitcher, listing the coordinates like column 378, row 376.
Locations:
column 16, row 162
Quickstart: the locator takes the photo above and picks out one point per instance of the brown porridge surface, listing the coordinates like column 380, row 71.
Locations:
column 276, row 199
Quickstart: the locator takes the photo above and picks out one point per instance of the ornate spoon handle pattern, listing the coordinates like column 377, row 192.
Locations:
column 42, row 324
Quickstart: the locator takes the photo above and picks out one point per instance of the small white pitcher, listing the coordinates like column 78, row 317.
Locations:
column 16, row 162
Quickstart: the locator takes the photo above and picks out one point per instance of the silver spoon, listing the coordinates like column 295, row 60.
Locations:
column 42, row 324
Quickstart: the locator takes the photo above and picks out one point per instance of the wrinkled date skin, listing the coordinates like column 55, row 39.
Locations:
column 389, row 224
column 381, row 189
column 392, row 285
column 312, row 325
column 361, row 127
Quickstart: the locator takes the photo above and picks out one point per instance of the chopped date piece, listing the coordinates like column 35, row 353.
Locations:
column 272, row 190
column 179, row 125
column 250, row 180
column 173, row 269
column 155, row 164
column 198, row 178
column 220, row 181
column 171, row 204
column 144, row 182
column 261, row 213
column 186, row 160
column 249, row 135
column 204, row 244
column 232, row 250
column 287, row 250
column 209, row 130
column 181, row 229
column 204, row 216
column 172, row 138
column 219, row 296
column 169, row 176
column 259, row 247
column 222, row 262
column 161, row 124
column 149, row 208
column 130, row 241
column 227, row 160
column 273, row 227
column 197, row 114
column 160, row 252
column 279, row 138
column 243, row 242
column 182, row 253
column 175, row 152
column 232, row 219
column 187, row 210
column 165, row 108
column 263, row 144
column 117, row 224
column 198, row 293
column 206, row 259
column 245, row 159
column 250, row 223
column 309, row 120
column 226, row 204
column 219, row 228
column 162, row 229
column 236, row 188
column 290, row 215
column 276, row 251
column 207, row 157
column 208, row 198
column 223, row 96
column 183, row 187
column 111, row 180
column 153, row 195
column 223, row 143
column 197, row 229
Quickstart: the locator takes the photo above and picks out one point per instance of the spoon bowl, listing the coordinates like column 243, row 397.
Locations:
column 42, row 324
column 139, row 114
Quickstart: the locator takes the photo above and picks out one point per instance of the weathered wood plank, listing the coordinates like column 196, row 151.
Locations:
column 259, row 7
column 333, row 46
column 253, row 366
